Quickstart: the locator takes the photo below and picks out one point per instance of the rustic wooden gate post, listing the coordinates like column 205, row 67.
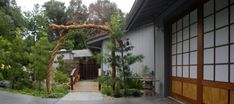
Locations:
column 65, row 29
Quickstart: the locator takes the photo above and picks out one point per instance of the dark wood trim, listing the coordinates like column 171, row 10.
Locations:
column 229, row 48
column 200, row 52
column 183, row 99
column 214, row 39
column 222, row 85
column 170, row 59
column 187, row 80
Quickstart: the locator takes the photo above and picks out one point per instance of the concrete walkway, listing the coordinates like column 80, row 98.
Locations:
column 86, row 92
column 97, row 98
column 82, row 95
column 86, row 86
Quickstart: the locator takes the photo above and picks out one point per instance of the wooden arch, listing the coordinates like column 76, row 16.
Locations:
column 65, row 29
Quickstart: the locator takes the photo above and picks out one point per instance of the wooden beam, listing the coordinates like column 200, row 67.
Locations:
column 65, row 29
column 200, row 51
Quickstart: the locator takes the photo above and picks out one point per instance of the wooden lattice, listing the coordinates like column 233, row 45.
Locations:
column 65, row 29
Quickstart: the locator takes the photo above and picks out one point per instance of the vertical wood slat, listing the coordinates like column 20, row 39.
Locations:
column 200, row 51
column 231, row 97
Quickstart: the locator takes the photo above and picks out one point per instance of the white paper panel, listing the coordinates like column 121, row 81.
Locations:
column 173, row 60
column 221, row 36
column 209, row 40
column 221, row 18
column 179, row 71
column 174, row 27
column 232, row 73
column 193, row 58
column 179, row 59
column 186, row 59
column 179, row 47
column 185, row 20
column 179, row 36
column 209, row 8
column 221, row 54
column 232, row 53
column 174, row 49
column 193, row 16
column 232, row 33
column 193, row 44
column 186, row 46
column 209, row 23
column 232, row 13
column 220, row 4
column 179, row 24
column 221, row 73
column 174, row 38
column 185, row 72
column 174, row 71
column 185, row 33
column 193, row 30
column 209, row 56
column 208, row 72
column 193, row 71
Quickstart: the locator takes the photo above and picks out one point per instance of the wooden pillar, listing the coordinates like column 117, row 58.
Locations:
column 71, row 82
column 200, row 51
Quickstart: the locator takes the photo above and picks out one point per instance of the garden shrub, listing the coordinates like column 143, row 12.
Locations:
column 133, row 92
column 1, row 77
column 135, row 84
column 106, row 90
column 117, row 93
column 60, row 77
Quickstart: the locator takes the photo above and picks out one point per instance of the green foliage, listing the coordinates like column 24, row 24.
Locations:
column 39, row 59
column 60, row 77
column 58, row 91
column 68, row 45
column 98, row 58
column 37, row 23
column 146, row 71
column 133, row 83
column 78, row 39
column 117, row 25
column 1, row 77
column 6, row 25
column 133, row 92
column 106, row 90
column 117, row 93
column 77, row 12
column 55, row 10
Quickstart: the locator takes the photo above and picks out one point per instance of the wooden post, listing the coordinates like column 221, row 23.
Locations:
column 61, row 41
column 71, row 82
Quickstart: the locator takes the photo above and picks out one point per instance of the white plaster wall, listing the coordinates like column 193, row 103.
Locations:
column 159, row 60
column 105, row 51
column 143, row 41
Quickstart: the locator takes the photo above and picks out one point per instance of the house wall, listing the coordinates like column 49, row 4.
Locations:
column 67, row 57
column 143, row 42
column 159, row 60
column 104, row 51
column 142, row 39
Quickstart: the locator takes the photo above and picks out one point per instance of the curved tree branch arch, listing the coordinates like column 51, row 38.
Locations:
column 65, row 29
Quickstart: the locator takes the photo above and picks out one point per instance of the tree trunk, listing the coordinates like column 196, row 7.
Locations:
column 113, row 65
